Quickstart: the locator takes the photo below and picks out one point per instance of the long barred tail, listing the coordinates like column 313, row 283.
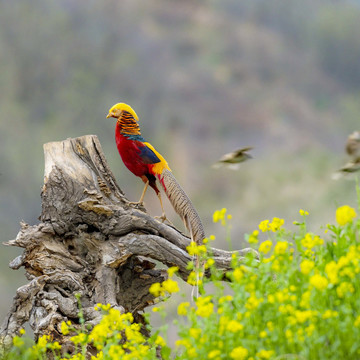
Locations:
column 182, row 205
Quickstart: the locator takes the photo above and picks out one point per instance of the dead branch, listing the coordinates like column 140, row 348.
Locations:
column 90, row 241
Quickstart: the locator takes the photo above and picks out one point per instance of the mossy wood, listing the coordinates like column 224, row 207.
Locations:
column 90, row 241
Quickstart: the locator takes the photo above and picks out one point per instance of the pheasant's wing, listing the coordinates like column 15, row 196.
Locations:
column 148, row 155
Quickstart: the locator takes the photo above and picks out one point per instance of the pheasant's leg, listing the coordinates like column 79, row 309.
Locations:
column 140, row 202
column 163, row 217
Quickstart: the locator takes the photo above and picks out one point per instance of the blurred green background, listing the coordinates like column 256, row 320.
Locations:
column 204, row 78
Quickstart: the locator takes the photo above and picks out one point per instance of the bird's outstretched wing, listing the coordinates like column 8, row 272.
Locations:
column 234, row 158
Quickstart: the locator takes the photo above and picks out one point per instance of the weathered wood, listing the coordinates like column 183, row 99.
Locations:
column 90, row 241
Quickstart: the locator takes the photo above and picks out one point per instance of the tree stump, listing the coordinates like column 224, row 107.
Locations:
column 90, row 241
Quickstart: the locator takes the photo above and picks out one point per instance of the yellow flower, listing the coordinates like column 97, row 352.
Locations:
column 281, row 247
column 183, row 342
column 194, row 249
column 195, row 332
column 224, row 299
column 276, row 224
column 209, row 262
column 276, row 266
column 79, row 339
column 239, row 353
column 219, row 215
column 252, row 302
column 328, row 314
column 116, row 352
column 133, row 335
column 331, row 270
column 205, row 306
column 303, row 212
column 357, row 321
column 64, row 328
column 156, row 290
column 99, row 356
column 43, row 340
column 282, row 295
column 265, row 354
column 263, row 334
column 264, row 225
column 192, row 279
column 172, row 270
column 348, row 271
column 205, row 310
column 55, row 345
column 170, row 286
column 302, row 316
column 213, row 354
column 253, row 238
column 238, row 274
column 345, row 214
column 265, row 247
column 234, row 326
column 319, row 282
column 343, row 261
column 309, row 241
column 22, row 331
column 160, row 341
column 102, row 307
column 183, row 308
column 306, row 266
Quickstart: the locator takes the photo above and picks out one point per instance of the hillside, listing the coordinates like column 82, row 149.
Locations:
column 204, row 78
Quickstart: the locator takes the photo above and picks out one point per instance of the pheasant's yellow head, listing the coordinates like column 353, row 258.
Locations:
column 121, row 108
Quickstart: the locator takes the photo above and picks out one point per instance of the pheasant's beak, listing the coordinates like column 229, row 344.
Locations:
column 108, row 115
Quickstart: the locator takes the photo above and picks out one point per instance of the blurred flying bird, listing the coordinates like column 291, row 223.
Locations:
column 352, row 148
column 232, row 160
column 144, row 161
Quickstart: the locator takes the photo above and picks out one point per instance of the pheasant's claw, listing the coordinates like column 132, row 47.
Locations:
column 163, row 218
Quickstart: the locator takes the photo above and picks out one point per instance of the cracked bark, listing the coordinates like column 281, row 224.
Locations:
column 89, row 241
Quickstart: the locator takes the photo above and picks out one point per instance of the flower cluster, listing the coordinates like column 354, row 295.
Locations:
column 302, row 290
column 273, row 226
column 299, row 295
column 220, row 215
column 345, row 214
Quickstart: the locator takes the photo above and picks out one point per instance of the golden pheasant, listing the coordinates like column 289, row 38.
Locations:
column 144, row 161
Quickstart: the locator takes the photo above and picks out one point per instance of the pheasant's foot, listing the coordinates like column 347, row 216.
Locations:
column 163, row 218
